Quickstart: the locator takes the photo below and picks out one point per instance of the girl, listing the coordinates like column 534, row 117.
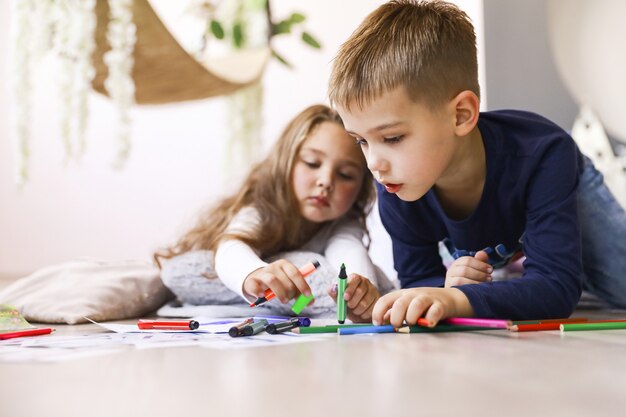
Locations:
column 311, row 193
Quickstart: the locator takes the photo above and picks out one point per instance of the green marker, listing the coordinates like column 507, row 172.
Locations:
column 341, row 289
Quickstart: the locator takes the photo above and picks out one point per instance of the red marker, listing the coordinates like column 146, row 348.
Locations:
column 26, row 332
column 269, row 294
column 168, row 324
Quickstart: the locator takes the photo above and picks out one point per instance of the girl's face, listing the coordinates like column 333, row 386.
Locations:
column 328, row 173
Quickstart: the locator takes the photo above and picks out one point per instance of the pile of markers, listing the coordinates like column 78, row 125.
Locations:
column 250, row 326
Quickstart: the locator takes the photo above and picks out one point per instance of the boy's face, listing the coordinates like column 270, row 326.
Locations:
column 408, row 147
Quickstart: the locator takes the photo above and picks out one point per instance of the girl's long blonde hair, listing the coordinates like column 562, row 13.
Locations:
column 268, row 188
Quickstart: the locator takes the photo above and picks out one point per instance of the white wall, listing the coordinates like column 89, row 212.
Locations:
column 70, row 210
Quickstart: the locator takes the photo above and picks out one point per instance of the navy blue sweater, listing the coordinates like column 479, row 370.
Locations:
column 528, row 204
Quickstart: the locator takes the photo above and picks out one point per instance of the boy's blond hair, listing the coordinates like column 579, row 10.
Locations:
column 428, row 47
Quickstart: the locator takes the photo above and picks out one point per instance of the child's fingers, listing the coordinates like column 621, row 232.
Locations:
column 280, row 287
column 354, row 280
column 356, row 289
column 458, row 281
column 431, row 310
column 332, row 292
column 474, row 272
column 400, row 307
column 467, row 268
column 254, row 287
column 387, row 317
column 294, row 275
column 364, row 306
column 478, row 263
column 381, row 313
column 435, row 313
column 482, row 256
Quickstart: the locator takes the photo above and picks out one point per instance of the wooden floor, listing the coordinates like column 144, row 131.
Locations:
column 489, row 373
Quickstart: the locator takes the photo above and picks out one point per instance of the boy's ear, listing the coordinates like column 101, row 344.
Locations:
column 467, row 109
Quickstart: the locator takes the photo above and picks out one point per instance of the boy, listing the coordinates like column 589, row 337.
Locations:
column 490, row 185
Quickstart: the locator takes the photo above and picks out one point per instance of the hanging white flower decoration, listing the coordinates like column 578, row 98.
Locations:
column 119, row 84
column 67, row 28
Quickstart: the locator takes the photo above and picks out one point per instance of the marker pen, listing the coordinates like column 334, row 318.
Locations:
column 341, row 289
column 168, row 324
column 275, row 328
column 269, row 294
column 253, row 328
column 236, row 330
column 304, row 321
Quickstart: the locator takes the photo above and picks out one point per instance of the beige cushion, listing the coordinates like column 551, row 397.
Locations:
column 68, row 292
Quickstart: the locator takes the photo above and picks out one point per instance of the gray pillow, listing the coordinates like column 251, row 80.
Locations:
column 68, row 292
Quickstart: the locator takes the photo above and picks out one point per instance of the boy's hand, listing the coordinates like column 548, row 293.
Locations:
column 410, row 304
column 469, row 270
column 280, row 276
column 360, row 296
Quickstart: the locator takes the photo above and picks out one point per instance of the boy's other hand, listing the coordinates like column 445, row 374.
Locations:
column 360, row 295
column 469, row 270
column 406, row 306
column 280, row 276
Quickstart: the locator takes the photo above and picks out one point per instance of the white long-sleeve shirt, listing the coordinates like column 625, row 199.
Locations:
column 339, row 242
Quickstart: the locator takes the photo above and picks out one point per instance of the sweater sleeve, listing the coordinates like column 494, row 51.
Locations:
column 345, row 245
column 234, row 260
column 552, row 280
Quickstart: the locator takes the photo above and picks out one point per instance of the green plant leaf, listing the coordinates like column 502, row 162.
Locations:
column 216, row 29
column 238, row 35
column 281, row 59
column 310, row 40
column 284, row 26
column 297, row 18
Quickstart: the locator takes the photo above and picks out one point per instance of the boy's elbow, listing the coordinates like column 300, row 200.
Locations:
column 569, row 297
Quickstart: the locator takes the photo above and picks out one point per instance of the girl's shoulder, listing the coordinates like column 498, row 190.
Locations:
column 246, row 219
column 345, row 226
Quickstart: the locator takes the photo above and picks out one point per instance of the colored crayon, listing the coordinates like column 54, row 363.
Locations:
column 366, row 329
column 606, row 325
column 547, row 321
column 471, row 321
column 535, row 327
column 442, row 328
column 326, row 329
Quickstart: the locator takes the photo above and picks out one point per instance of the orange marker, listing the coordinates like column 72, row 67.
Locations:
column 269, row 294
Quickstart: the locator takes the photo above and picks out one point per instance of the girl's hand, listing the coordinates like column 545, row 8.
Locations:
column 469, row 270
column 360, row 295
column 280, row 276
column 408, row 305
